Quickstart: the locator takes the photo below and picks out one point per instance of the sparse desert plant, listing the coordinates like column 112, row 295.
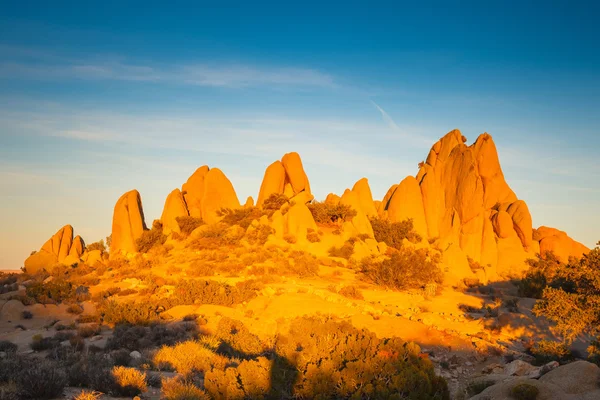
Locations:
column 291, row 239
column 8, row 346
column 177, row 389
column 259, row 235
column 545, row 351
column 138, row 313
column 41, row 379
column 129, row 381
column 351, row 292
column 151, row 238
column 406, row 268
column 327, row 214
column 540, row 274
column 96, row 246
column 88, row 395
column 524, row 391
column 236, row 339
column 87, row 331
column 55, row 291
column 274, row 202
column 312, row 236
column 239, row 216
column 393, row 233
column 303, row 264
column 187, row 224
column 345, row 251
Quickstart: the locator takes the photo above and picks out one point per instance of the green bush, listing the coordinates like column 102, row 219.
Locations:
column 524, row 391
column 406, row 268
column 328, row 214
column 151, row 238
column 545, row 351
column 541, row 272
column 392, row 233
column 187, row 223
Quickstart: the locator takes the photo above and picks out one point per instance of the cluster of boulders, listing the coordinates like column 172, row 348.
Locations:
column 577, row 380
column 459, row 202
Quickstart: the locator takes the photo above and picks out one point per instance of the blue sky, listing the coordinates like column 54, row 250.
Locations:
column 98, row 99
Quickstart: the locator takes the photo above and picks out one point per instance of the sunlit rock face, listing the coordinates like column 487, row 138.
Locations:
column 286, row 177
column 128, row 223
column 460, row 198
column 61, row 248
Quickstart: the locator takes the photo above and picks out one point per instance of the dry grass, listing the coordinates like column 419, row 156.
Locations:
column 87, row 395
column 175, row 389
column 130, row 381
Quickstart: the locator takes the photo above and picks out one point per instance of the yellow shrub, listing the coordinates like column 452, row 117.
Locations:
column 130, row 381
column 185, row 357
column 174, row 389
column 87, row 395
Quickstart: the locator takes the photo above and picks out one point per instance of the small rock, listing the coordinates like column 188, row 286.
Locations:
column 136, row 355
column 519, row 368
column 549, row 367
column 95, row 338
column 2, row 354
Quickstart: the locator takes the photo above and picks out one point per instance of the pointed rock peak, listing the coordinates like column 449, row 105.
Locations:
column 218, row 193
column 365, row 197
column 128, row 223
column 332, row 198
column 249, row 202
column 174, row 208
column 193, row 191
column 273, row 182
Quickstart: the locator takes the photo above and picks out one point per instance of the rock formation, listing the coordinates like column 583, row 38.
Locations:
column 460, row 199
column 286, row 177
column 365, row 197
column 218, row 193
column 128, row 223
column 61, row 248
column 174, row 207
column 193, row 191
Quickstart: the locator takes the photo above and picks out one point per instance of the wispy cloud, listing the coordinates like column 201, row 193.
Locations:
column 415, row 138
column 40, row 65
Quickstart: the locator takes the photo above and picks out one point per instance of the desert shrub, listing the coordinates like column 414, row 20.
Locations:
column 335, row 360
column 259, row 235
column 151, row 238
column 274, row 202
column 88, row 395
column 96, row 246
column 26, row 314
column 40, row 343
column 328, row 214
column 9, row 391
column 393, row 233
column 87, row 331
column 236, row 339
column 129, row 381
column 75, row 309
column 524, row 391
column 212, row 292
column 345, row 251
column 187, row 224
column 185, row 357
column 133, row 337
column 55, row 291
column 351, row 292
column 540, row 274
column 127, row 292
column 406, row 268
column 8, row 346
column 572, row 298
column 303, row 264
column 511, row 304
column 216, row 236
column 545, row 351
column 312, row 236
column 239, row 216
column 177, row 389
column 41, row 379
column 139, row 313
column 7, row 279
column 87, row 318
